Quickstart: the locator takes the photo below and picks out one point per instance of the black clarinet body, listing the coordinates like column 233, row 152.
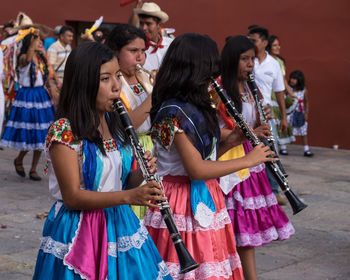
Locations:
column 263, row 118
column 187, row 263
column 296, row 204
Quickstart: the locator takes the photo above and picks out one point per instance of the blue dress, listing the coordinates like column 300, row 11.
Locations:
column 31, row 114
column 108, row 243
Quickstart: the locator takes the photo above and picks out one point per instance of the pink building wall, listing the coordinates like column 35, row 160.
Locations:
column 314, row 35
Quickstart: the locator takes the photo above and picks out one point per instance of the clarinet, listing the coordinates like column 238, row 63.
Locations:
column 263, row 118
column 187, row 263
column 296, row 204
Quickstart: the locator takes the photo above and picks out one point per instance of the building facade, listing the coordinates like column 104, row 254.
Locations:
column 313, row 34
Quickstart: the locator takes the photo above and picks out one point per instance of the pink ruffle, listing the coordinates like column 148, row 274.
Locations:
column 88, row 255
column 256, row 217
column 213, row 247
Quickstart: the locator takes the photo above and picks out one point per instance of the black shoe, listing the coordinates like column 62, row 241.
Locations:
column 34, row 176
column 283, row 152
column 308, row 154
column 18, row 171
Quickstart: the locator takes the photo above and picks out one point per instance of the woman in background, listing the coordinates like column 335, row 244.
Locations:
column 284, row 137
column 32, row 111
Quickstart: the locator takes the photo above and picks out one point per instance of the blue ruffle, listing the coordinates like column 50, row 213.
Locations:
column 31, row 115
column 131, row 251
column 91, row 153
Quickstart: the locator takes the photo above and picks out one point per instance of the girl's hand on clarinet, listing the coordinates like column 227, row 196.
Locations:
column 262, row 131
column 151, row 162
column 260, row 154
column 146, row 193
column 267, row 110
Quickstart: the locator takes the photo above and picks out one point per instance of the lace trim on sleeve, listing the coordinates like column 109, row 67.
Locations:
column 165, row 130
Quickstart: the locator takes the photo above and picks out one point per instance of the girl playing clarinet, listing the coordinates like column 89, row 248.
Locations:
column 256, row 217
column 91, row 232
column 129, row 44
column 187, row 142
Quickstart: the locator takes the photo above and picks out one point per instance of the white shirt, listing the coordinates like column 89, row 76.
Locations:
column 58, row 55
column 136, row 100
column 110, row 177
column 268, row 77
column 154, row 60
column 24, row 77
column 168, row 162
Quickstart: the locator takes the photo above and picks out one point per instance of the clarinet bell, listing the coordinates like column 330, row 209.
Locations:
column 296, row 204
column 187, row 263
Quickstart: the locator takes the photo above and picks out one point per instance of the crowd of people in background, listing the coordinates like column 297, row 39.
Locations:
column 59, row 97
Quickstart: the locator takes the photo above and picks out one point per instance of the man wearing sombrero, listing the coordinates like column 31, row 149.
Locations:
column 151, row 17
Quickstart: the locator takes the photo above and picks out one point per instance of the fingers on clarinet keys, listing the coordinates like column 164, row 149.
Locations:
column 156, row 190
column 152, row 166
column 151, row 162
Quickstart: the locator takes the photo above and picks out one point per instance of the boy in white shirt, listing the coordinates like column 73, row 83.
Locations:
column 268, row 77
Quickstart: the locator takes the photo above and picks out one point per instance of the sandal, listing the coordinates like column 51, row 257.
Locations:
column 19, row 171
column 42, row 215
column 34, row 176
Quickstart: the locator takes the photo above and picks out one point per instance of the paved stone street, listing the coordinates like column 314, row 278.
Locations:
column 319, row 250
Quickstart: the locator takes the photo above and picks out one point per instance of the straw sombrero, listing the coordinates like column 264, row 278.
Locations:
column 24, row 22
column 152, row 9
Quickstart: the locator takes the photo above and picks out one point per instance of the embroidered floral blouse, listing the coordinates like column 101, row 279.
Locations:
column 169, row 161
column 60, row 132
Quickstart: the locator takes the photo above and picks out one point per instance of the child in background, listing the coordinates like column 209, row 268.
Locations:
column 301, row 114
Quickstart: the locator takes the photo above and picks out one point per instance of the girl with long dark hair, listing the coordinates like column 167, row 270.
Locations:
column 91, row 232
column 187, row 142
column 129, row 44
column 256, row 217
column 32, row 111
column 284, row 137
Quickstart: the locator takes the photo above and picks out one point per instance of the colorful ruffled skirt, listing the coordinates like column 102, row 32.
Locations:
column 31, row 114
column 256, row 217
column 98, row 244
column 213, row 246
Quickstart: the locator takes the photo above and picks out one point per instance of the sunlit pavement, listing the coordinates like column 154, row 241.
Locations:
column 320, row 248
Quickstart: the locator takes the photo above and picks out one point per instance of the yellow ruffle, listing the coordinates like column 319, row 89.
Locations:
column 125, row 101
column 236, row 152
